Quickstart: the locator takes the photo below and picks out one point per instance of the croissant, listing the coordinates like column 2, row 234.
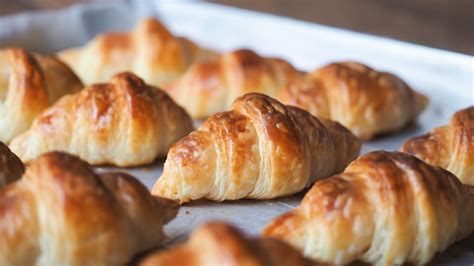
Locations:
column 385, row 208
column 450, row 147
column 260, row 149
column 61, row 213
column 362, row 99
column 211, row 86
column 217, row 243
column 28, row 85
column 149, row 50
column 124, row 122
column 11, row 168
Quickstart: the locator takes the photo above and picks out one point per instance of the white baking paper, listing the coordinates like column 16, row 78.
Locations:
column 445, row 76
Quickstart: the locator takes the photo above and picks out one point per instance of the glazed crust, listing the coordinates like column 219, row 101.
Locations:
column 62, row 213
column 366, row 101
column 217, row 243
column 28, row 85
column 150, row 51
column 385, row 208
column 11, row 167
column 450, row 147
column 210, row 87
column 260, row 149
column 124, row 122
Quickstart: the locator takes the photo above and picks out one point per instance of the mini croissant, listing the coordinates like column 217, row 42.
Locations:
column 11, row 168
column 150, row 51
column 28, row 85
column 62, row 213
column 124, row 122
column 450, row 147
column 385, row 208
column 260, row 149
column 217, row 243
column 362, row 99
column 211, row 86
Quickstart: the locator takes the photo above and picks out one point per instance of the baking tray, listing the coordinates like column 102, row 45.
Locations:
column 446, row 77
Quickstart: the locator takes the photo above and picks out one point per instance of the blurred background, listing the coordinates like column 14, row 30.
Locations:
column 444, row 24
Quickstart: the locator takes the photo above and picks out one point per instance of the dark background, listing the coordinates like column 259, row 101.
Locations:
column 445, row 24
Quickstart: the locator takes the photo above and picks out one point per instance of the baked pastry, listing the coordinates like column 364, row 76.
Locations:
column 211, row 86
column 11, row 168
column 259, row 149
column 450, row 147
column 124, row 122
column 29, row 84
column 385, row 208
column 150, row 51
column 366, row 101
column 62, row 213
column 217, row 243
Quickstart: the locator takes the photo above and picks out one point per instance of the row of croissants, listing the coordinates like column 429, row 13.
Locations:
column 268, row 131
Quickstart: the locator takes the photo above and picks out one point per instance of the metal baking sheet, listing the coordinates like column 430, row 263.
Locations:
column 445, row 76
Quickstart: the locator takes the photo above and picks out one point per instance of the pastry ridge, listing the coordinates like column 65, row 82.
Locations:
column 366, row 101
column 450, row 147
column 124, row 122
column 385, row 208
column 149, row 50
column 62, row 213
column 211, row 86
column 259, row 149
column 29, row 83
column 217, row 243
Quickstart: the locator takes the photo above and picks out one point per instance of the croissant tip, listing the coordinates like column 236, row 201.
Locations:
column 280, row 225
column 160, row 191
column 421, row 102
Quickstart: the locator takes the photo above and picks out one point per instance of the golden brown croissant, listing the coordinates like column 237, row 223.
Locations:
column 124, row 122
column 150, row 51
column 217, row 243
column 11, row 168
column 260, row 149
column 385, row 208
column 29, row 84
column 450, row 147
column 61, row 213
column 211, row 86
column 362, row 99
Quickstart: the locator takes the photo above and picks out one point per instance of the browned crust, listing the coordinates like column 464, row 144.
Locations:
column 149, row 50
column 32, row 91
column 124, row 109
column 450, row 146
column 60, row 79
column 218, row 243
column 376, row 102
column 86, row 209
column 211, row 86
column 11, row 167
column 259, row 141
column 34, row 83
column 409, row 197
